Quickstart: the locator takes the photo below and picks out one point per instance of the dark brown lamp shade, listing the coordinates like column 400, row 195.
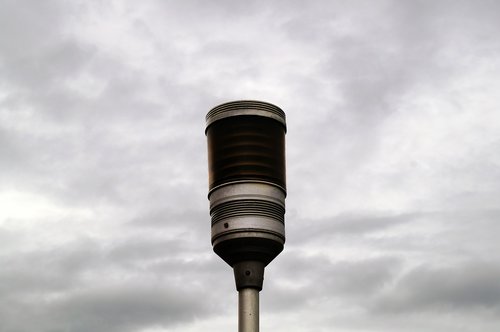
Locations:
column 246, row 147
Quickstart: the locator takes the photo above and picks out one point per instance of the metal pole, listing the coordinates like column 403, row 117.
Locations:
column 248, row 310
column 247, row 191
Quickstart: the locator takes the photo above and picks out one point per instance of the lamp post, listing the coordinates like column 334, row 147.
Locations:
column 247, row 190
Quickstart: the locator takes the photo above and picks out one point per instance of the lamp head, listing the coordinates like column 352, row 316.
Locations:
column 247, row 180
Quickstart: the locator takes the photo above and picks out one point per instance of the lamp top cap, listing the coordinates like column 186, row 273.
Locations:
column 246, row 107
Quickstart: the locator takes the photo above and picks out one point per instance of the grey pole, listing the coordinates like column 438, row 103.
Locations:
column 248, row 310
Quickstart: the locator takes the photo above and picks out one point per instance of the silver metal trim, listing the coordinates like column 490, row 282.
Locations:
column 247, row 209
column 246, row 107
column 247, row 190
column 248, row 224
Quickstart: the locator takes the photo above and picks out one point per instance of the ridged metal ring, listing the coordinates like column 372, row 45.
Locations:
column 248, row 207
column 246, row 107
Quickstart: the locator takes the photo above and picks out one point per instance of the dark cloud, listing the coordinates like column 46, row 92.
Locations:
column 133, row 284
column 128, row 308
column 125, row 307
column 304, row 231
column 299, row 280
column 469, row 286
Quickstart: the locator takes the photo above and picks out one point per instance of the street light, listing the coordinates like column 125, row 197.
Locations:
column 247, row 190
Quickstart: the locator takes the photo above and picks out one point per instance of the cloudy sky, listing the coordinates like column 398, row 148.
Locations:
column 393, row 163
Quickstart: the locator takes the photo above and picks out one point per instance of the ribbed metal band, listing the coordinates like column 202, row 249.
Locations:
column 248, row 210
column 248, row 207
column 246, row 107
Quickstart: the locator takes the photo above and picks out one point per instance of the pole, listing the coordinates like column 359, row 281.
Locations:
column 247, row 191
column 248, row 310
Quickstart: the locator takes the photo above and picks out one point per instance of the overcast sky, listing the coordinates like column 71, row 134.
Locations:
column 393, row 163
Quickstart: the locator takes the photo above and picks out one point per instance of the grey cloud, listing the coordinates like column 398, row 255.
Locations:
column 24, row 22
column 103, row 159
column 472, row 285
column 314, row 277
column 127, row 308
column 46, row 71
column 457, row 234
column 122, row 307
column 132, row 284
column 45, row 271
column 77, row 134
column 191, row 226
column 304, row 231
column 367, row 73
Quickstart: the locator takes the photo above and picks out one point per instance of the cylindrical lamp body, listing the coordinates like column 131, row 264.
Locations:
column 247, row 181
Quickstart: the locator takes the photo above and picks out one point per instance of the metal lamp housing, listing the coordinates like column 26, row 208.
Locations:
column 247, row 181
